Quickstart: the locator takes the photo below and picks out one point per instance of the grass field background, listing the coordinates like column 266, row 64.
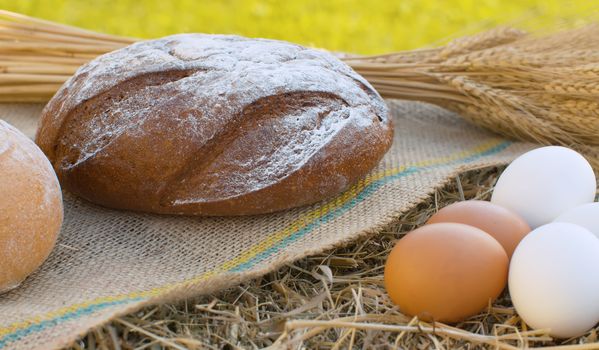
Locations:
column 360, row 26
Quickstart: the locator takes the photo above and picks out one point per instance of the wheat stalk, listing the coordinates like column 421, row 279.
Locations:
column 542, row 89
column 37, row 56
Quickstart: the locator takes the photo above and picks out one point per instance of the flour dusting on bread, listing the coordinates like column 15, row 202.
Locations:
column 186, row 105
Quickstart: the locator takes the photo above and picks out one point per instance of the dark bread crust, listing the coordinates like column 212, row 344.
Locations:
column 207, row 129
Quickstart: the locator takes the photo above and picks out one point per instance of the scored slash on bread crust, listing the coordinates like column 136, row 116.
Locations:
column 213, row 125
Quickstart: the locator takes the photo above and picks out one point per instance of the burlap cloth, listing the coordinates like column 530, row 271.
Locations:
column 109, row 262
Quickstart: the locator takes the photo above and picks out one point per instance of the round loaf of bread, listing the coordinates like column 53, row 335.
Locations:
column 213, row 125
column 30, row 207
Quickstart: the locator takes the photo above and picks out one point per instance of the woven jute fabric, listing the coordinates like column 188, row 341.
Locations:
column 110, row 262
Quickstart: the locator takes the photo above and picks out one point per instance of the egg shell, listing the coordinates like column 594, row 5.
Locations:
column 507, row 227
column 445, row 272
column 545, row 182
column 586, row 215
column 554, row 279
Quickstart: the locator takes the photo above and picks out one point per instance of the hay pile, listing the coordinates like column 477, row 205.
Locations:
column 331, row 301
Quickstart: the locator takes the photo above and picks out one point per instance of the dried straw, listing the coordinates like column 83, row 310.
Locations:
column 37, row 56
column 543, row 89
column 335, row 300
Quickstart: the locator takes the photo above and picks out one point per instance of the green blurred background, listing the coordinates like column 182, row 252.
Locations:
column 359, row 26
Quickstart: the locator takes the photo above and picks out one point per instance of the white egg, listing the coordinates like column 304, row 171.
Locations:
column 545, row 182
column 554, row 279
column 586, row 215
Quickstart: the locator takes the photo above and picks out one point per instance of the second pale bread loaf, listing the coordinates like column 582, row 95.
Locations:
column 30, row 207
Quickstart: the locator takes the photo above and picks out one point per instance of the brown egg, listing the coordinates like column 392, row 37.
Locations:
column 504, row 225
column 445, row 272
